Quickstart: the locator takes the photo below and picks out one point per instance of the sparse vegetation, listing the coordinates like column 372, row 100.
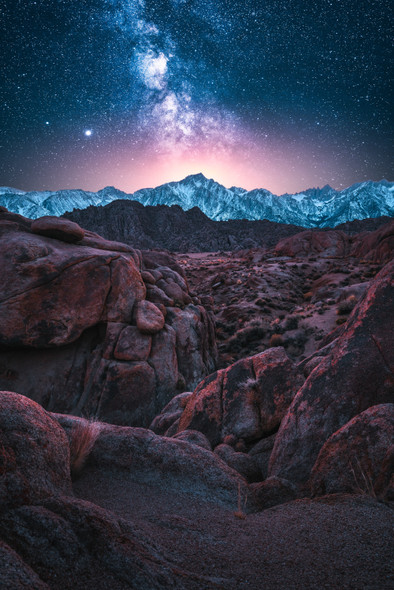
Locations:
column 276, row 340
column 239, row 513
column 362, row 483
column 347, row 305
column 341, row 320
column 84, row 434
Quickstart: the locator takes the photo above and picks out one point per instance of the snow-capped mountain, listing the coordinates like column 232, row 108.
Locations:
column 316, row 207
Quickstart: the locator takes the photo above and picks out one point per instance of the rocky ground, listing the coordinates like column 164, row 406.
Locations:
column 259, row 300
column 269, row 466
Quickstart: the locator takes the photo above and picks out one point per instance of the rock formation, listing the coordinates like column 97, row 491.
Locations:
column 91, row 327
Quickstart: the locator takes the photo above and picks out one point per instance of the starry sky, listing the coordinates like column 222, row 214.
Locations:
column 282, row 95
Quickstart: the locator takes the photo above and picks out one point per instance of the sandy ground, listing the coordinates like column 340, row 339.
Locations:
column 338, row 543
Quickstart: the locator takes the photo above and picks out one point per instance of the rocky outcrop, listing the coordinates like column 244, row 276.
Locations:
column 60, row 229
column 377, row 246
column 159, row 227
column 34, row 453
column 51, row 539
column 247, row 400
column 169, row 463
column 80, row 330
column 324, row 243
column 358, row 373
column 359, row 457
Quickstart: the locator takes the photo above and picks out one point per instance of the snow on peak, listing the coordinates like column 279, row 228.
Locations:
column 315, row 207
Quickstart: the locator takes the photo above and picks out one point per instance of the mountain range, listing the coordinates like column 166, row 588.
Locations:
column 312, row 208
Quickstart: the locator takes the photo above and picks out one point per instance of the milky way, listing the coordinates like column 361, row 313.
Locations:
column 277, row 94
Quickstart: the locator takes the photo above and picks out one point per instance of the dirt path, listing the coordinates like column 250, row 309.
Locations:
column 337, row 543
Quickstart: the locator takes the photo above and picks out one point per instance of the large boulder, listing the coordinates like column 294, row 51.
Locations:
column 78, row 333
column 356, row 374
column 139, row 456
column 324, row 243
column 70, row 544
column 358, row 457
column 34, row 453
column 60, row 229
column 376, row 246
column 247, row 400
column 50, row 539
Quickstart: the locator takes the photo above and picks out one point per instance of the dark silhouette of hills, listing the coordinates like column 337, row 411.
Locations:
column 177, row 230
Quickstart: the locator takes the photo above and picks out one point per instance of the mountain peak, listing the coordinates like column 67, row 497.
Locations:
column 199, row 177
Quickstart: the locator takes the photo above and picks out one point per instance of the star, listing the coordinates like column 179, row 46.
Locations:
column 88, row 132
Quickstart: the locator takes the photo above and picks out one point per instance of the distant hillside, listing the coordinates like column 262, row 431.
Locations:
column 177, row 230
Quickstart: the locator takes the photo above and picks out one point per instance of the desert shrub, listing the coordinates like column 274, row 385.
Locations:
column 276, row 340
column 83, row 435
column 308, row 296
column 340, row 320
column 346, row 306
column 291, row 322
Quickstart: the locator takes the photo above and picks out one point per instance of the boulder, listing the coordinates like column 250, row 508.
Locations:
column 355, row 457
column 59, row 229
column 325, row 243
column 56, row 291
column 34, row 453
column 195, row 341
column 355, row 375
column 132, row 345
column 170, row 413
column 241, row 462
column 376, row 246
column 78, row 335
column 273, row 491
column 74, row 544
column 261, row 452
column 247, row 400
column 140, row 456
column 195, row 438
column 149, row 318
column 15, row 573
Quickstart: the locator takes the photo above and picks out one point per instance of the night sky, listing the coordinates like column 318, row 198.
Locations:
column 283, row 95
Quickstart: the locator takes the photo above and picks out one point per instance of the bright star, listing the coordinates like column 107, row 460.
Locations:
column 88, row 132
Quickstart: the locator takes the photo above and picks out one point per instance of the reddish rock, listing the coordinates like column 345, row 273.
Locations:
column 164, row 361
column 149, row 318
column 356, row 374
column 241, row 462
column 59, row 229
column 195, row 339
column 68, row 332
column 170, row 413
column 148, row 278
column 354, row 457
column 247, row 400
column 55, row 291
column 168, row 463
column 34, row 453
column 194, row 438
column 324, row 243
column 273, row 491
column 174, row 292
column 261, row 452
column 377, row 246
column 157, row 296
column 75, row 544
column 128, row 393
column 132, row 345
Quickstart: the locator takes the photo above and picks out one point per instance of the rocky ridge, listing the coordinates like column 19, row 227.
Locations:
column 316, row 207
